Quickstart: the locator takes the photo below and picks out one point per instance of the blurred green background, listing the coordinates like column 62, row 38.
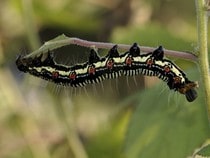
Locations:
column 119, row 118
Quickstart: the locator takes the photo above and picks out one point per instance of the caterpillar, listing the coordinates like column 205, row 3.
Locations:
column 113, row 65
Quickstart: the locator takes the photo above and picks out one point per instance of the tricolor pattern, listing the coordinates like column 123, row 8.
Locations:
column 112, row 65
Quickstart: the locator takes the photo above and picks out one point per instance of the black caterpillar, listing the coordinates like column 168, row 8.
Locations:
column 112, row 65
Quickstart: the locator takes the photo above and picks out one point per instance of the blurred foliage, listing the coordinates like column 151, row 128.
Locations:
column 165, row 131
column 40, row 119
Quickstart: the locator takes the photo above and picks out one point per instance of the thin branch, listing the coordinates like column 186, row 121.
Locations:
column 63, row 40
column 173, row 53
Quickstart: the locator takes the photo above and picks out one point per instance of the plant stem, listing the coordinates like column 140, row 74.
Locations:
column 202, row 22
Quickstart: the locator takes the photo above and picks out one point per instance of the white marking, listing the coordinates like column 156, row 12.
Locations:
column 141, row 59
column 173, row 69
column 82, row 71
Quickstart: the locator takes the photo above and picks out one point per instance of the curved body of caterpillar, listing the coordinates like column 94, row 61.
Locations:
column 112, row 65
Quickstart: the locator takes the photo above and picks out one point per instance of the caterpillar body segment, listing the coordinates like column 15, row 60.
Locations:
column 113, row 65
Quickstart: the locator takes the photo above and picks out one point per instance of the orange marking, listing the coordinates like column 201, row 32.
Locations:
column 55, row 74
column 167, row 69
column 109, row 64
column 128, row 61
column 150, row 62
column 72, row 75
column 91, row 70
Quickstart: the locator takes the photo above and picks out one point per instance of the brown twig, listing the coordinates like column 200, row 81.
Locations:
column 173, row 53
column 63, row 40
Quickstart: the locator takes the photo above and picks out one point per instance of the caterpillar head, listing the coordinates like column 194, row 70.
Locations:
column 188, row 89
column 185, row 87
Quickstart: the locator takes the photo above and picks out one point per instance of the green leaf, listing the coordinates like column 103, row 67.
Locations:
column 203, row 152
column 55, row 43
column 165, row 125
